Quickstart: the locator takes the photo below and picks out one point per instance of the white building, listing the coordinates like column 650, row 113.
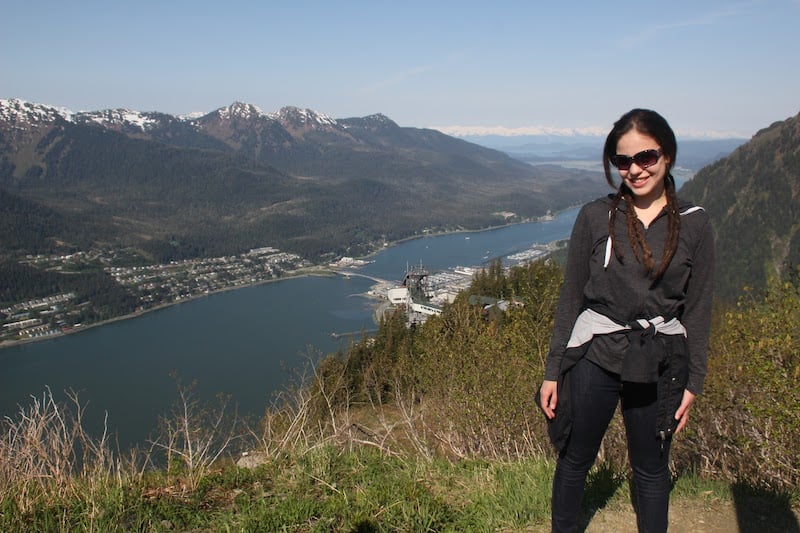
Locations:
column 399, row 296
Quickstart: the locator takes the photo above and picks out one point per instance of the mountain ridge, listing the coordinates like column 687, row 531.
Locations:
column 237, row 178
column 15, row 110
column 752, row 196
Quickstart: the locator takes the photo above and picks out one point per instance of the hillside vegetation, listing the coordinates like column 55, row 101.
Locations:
column 753, row 198
column 433, row 428
column 238, row 178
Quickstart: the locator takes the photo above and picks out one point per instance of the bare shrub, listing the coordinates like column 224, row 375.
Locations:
column 46, row 456
column 314, row 413
column 477, row 374
column 194, row 436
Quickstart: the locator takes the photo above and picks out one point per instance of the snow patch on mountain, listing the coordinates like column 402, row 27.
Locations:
column 240, row 110
column 119, row 117
column 19, row 113
column 189, row 117
column 298, row 116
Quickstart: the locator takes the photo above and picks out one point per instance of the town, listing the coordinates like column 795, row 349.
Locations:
column 153, row 285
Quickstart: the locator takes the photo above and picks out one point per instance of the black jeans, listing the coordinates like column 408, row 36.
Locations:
column 595, row 393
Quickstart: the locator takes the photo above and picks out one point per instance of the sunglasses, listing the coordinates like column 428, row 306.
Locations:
column 644, row 159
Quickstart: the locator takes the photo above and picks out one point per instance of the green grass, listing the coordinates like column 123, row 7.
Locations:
column 323, row 489
column 331, row 489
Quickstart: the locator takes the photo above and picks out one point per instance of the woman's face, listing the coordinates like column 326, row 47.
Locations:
column 647, row 184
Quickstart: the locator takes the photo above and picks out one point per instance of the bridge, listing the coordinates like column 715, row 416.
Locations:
column 360, row 275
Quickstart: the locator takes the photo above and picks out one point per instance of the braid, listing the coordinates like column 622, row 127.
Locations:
column 611, row 220
column 674, row 226
column 636, row 236
column 649, row 124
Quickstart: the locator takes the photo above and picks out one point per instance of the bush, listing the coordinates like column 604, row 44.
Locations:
column 465, row 381
column 746, row 426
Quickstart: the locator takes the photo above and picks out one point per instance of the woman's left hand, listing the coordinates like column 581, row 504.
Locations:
column 682, row 414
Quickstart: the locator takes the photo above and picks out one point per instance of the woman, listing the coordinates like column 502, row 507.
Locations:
column 631, row 324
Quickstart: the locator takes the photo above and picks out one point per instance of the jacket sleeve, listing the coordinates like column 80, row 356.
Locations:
column 697, row 312
column 570, row 301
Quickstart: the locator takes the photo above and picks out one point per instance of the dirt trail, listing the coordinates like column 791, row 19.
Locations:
column 714, row 516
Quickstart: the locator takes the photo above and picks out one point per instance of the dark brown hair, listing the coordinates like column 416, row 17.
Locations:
column 653, row 125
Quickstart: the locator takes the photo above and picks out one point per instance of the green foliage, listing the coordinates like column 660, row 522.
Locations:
column 491, row 281
column 29, row 226
column 370, row 370
column 177, row 192
column 108, row 299
column 747, row 423
column 480, row 375
column 752, row 197
column 474, row 376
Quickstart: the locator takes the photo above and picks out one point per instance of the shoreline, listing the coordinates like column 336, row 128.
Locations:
column 542, row 218
column 320, row 271
column 317, row 270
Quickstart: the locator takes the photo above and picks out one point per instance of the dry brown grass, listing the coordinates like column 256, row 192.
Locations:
column 47, row 456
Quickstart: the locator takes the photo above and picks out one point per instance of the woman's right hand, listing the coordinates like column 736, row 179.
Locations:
column 548, row 395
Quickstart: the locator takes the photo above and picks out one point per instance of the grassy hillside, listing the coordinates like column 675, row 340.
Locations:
column 431, row 429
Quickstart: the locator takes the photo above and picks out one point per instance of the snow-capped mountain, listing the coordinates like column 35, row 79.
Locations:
column 238, row 177
column 20, row 113
column 122, row 118
column 238, row 127
column 302, row 117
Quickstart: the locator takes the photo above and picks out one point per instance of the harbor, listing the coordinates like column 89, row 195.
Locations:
column 423, row 293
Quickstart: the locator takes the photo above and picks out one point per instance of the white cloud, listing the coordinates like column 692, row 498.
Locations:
column 590, row 131
column 503, row 131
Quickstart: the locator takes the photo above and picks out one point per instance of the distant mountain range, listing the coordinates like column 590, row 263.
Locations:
column 238, row 177
column 693, row 154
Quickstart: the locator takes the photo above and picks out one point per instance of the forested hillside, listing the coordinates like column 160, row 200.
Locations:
column 753, row 198
column 238, row 178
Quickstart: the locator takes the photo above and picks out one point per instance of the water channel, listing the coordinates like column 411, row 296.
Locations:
column 249, row 343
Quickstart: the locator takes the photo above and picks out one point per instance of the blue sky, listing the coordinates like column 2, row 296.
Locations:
column 710, row 67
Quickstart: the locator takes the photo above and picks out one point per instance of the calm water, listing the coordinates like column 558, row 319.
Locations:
column 468, row 249
column 248, row 343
